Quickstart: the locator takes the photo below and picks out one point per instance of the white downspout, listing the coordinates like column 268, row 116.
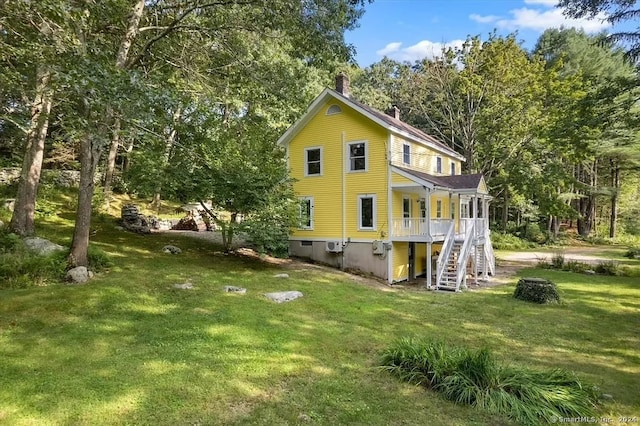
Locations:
column 389, row 211
column 344, row 197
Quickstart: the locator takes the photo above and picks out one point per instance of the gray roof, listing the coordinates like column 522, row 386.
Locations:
column 398, row 124
column 452, row 182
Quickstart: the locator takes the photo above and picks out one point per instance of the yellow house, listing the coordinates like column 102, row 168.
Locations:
column 383, row 197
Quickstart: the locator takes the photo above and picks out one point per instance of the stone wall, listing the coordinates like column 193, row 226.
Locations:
column 63, row 178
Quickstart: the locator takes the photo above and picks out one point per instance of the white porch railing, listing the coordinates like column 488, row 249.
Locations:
column 479, row 227
column 417, row 227
column 463, row 257
column 447, row 246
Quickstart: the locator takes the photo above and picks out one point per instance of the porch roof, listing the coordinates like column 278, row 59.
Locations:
column 459, row 183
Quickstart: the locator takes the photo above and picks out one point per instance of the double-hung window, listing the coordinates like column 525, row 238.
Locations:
column 367, row 212
column 438, row 164
column 306, row 213
column 313, row 161
column 453, row 210
column 439, row 209
column 357, row 156
column 453, row 168
column 406, row 154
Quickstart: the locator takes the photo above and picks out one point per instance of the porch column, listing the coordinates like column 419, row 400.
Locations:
column 427, row 206
column 429, row 272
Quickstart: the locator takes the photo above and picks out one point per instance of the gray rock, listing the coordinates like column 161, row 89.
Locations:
column 118, row 228
column 283, row 296
column 42, row 246
column 281, row 276
column 171, row 249
column 234, row 289
column 590, row 272
column 185, row 286
column 9, row 204
column 606, row 396
column 79, row 275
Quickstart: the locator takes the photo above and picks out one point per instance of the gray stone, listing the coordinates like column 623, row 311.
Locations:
column 171, row 249
column 606, row 396
column 42, row 246
column 234, row 289
column 133, row 221
column 9, row 204
column 590, row 272
column 281, row 276
column 79, row 275
column 118, row 228
column 185, row 286
column 283, row 296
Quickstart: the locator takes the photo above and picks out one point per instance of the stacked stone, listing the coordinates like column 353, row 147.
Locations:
column 192, row 222
column 133, row 221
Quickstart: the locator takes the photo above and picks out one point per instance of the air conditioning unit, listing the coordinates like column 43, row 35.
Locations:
column 378, row 247
column 334, row 246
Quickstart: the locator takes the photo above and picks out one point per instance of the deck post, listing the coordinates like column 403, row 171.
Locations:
column 429, row 272
column 427, row 202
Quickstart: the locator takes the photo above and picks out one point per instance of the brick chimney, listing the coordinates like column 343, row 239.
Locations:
column 342, row 84
column 394, row 112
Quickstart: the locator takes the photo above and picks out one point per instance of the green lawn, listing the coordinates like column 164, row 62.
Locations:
column 128, row 348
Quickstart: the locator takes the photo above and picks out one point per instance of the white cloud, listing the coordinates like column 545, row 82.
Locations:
column 421, row 50
column 389, row 49
column 483, row 19
column 541, row 18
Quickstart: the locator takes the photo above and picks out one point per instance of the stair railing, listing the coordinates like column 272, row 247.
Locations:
column 488, row 252
column 447, row 246
column 463, row 256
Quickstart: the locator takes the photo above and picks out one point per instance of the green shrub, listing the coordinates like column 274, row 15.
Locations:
column 557, row 261
column 534, row 234
column 536, row 290
column 98, row 259
column 576, row 266
column 608, row 267
column 21, row 268
column 502, row 241
column 477, row 379
column 633, row 253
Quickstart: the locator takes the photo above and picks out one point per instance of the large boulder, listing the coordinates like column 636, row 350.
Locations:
column 42, row 246
column 133, row 221
column 79, row 275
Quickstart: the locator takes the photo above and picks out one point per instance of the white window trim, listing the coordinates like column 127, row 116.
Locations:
column 366, row 156
column 439, row 213
column 403, row 161
column 435, row 166
column 375, row 212
column 306, row 161
column 453, row 210
column 311, row 214
column 453, row 168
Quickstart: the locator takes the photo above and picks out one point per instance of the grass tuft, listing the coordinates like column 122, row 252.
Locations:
column 476, row 378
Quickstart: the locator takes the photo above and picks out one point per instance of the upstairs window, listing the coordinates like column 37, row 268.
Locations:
column 367, row 212
column 313, row 161
column 438, row 164
column 453, row 168
column 306, row 213
column 357, row 156
column 406, row 154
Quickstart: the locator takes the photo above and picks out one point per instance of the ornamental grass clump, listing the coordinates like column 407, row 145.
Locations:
column 536, row 290
column 474, row 377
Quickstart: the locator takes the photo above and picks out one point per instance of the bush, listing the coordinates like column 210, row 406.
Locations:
column 502, row 241
column 477, row 379
column 608, row 267
column 536, row 290
column 98, row 259
column 21, row 268
column 534, row 234
column 557, row 261
column 633, row 253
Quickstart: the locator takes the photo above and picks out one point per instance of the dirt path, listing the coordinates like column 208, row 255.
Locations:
column 581, row 254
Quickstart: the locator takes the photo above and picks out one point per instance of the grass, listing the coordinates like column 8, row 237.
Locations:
column 128, row 348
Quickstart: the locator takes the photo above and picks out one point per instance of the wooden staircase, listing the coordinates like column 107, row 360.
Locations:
column 448, row 280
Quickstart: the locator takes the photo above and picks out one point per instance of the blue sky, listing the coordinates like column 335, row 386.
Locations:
column 414, row 29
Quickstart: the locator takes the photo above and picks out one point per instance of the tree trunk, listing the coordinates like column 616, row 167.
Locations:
column 90, row 150
column 505, row 210
column 171, row 139
column 121, row 63
column 615, row 184
column 23, row 218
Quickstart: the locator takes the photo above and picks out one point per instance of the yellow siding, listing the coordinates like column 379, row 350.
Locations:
column 446, row 206
column 422, row 158
column 421, row 258
column 396, row 178
column 482, row 188
column 329, row 132
column 400, row 253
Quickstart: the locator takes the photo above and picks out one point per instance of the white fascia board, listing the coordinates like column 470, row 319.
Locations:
column 306, row 117
column 438, row 148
